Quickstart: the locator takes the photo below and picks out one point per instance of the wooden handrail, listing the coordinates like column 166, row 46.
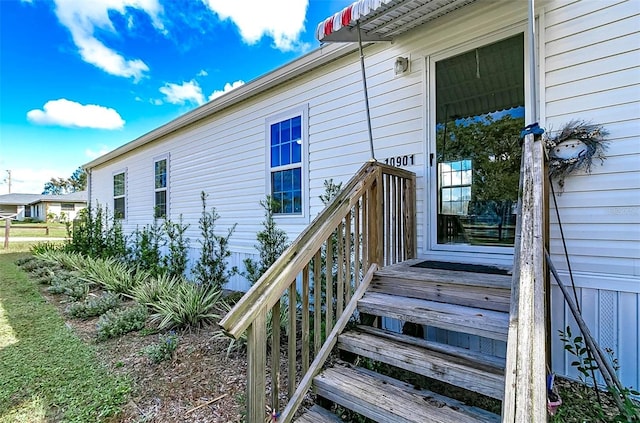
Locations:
column 270, row 287
column 526, row 368
column 371, row 221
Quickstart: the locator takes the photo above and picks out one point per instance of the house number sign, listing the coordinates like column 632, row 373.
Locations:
column 401, row 161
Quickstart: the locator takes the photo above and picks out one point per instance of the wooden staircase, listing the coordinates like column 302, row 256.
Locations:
column 465, row 302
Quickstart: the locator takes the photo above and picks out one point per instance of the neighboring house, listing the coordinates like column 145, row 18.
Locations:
column 18, row 204
column 285, row 133
column 41, row 207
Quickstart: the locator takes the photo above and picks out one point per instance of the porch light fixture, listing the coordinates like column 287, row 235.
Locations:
column 401, row 65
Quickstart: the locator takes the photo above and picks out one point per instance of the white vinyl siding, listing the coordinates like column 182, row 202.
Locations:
column 592, row 72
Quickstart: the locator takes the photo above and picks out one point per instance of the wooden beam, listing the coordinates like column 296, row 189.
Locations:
column 256, row 363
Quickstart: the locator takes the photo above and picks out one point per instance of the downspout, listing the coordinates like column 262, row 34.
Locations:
column 366, row 93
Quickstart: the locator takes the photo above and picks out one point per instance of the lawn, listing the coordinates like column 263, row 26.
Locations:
column 46, row 372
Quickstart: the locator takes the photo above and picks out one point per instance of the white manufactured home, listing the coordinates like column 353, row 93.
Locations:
column 450, row 85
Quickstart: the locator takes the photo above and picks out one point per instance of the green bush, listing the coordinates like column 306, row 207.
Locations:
column 69, row 284
column 190, row 305
column 42, row 247
column 43, row 275
column 112, row 275
column 211, row 268
column 163, row 350
column 152, row 290
column 145, row 251
column 96, row 233
column 24, row 261
column 94, row 306
column 66, row 259
column 118, row 322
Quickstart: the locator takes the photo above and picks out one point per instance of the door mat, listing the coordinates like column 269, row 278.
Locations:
column 461, row 267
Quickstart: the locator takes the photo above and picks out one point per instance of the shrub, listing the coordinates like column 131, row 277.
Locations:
column 211, row 268
column 145, row 251
column 66, row 259
column 96, row 233
column 24, row 261
column 69, row 284
column 163, row 350
column 43, row 275
column 118, row 322
column 94, row 306
column 153, row 289
column 42, row 247
column 113, row 275
column 175, row 261
column 190, row 305
column 272, row 241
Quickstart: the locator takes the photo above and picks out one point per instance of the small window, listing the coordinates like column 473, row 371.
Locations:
column 286, row 148
column 119, row 192
column 67, row 207
column 160, row 187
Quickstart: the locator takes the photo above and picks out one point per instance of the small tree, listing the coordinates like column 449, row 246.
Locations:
column 175, row 261
column 272, row 241
column 211, row 268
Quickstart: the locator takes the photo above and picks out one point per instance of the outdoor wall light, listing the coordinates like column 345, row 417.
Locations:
column 401, row 65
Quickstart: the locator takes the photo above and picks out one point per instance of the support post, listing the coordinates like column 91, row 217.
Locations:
column 7, row 228
column 256, row 363
column 366, row 92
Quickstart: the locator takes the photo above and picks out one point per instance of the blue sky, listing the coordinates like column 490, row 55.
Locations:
column 79, row 78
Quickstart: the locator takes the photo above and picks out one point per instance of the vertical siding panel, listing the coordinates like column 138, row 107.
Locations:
column 628, row 334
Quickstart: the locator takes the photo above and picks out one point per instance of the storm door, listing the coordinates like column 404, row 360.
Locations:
column 479, row 108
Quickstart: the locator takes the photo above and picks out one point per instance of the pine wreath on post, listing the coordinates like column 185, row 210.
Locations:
column 574, row 148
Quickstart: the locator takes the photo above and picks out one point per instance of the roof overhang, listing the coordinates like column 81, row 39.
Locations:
column 382, row 20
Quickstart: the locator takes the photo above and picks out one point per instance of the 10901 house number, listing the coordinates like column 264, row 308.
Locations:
column 399, row 161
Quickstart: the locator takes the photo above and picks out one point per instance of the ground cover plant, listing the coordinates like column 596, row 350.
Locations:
column 35, row 345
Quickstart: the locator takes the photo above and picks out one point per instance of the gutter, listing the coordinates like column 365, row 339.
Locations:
column 318, row 57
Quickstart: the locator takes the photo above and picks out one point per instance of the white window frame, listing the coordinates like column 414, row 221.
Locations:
column 123, row 196
column 303, row 112
column 165, row 188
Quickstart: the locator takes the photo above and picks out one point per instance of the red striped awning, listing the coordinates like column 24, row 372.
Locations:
column 381, row 20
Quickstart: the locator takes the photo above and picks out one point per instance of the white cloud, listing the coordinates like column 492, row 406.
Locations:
column 94, row 154
column 227, row 87
column 156, row 102
column 180, row 94
column 68, row 113
column 83, row 17
column 282, row 20
column 202, row 73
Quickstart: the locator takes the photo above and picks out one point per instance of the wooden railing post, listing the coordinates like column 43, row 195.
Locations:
column 375, row 220
column 525, row 374
column 256, row 365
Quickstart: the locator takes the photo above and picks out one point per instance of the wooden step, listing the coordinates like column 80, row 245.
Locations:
column 475, row 321
column 456, row 366
column 384, row 399
column 317, row 414
column 488, row 291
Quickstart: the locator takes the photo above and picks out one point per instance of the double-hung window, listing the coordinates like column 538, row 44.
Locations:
column 287, row 165
column 160, row 188
column 119, row 194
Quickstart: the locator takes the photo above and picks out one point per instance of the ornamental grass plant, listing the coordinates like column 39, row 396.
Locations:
column 190, row 305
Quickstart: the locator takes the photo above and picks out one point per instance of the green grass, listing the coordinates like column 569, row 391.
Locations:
column 56, row 230
column 46, row 372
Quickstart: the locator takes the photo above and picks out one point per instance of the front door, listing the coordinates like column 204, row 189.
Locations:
column 475, row 160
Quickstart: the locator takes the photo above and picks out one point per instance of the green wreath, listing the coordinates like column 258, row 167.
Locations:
column 588, row 139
